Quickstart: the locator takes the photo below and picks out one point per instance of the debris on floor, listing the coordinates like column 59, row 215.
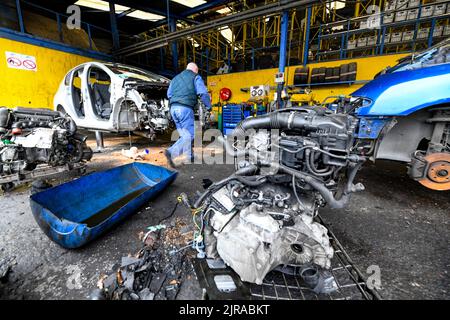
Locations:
column 156, row 272
column 133, row 153
column 5, row 268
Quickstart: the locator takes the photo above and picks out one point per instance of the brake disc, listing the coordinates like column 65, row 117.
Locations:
column 438, row 171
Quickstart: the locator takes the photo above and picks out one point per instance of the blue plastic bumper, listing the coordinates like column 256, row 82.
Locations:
column 74, row 213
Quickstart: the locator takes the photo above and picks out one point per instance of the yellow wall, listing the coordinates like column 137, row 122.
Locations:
column 34, row 89
column 367, row 68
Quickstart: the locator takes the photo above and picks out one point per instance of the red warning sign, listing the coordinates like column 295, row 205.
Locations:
column 20, row 61
column 29, row 64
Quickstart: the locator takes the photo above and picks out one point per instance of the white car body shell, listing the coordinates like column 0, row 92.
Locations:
column 121, row 93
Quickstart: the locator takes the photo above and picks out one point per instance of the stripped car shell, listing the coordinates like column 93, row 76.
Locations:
column 115, row 98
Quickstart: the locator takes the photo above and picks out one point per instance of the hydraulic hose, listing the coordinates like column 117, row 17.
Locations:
column 323, row 190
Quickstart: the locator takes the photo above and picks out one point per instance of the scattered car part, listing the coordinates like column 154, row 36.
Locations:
column 76, row 212
column 8, row 182
column 206, row 274
column 435, row 173
column 153, row 273
column 32, row 137
column 203, row 115
column 263, row 216
column 116, row 98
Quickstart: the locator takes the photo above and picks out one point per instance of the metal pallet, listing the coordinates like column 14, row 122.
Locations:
column 350, row 281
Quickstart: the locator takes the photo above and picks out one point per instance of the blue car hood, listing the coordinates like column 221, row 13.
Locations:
column 404, row 92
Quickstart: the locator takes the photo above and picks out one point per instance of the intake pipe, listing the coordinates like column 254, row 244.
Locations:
column 287, row 121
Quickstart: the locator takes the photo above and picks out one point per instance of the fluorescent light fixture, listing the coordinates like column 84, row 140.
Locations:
column 227, row 34
column 335, row 5
column 138, row 14
column 190, row 3
column 100, row 5
column 104, row 6
column 225, row 10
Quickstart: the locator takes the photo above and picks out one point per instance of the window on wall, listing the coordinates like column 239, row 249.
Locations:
column 8, row 15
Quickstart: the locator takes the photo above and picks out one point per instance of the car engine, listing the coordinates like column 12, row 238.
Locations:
column 29, row 137
column 289, row 163
column 150, row 108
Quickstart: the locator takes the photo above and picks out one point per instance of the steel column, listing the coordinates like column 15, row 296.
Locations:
column 19, row 16
column 283, row 40
column 173, row 28
column 114, row 29
column 306, row 40
column 284, row 30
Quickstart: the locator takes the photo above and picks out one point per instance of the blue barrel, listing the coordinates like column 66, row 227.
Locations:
column 74, row 213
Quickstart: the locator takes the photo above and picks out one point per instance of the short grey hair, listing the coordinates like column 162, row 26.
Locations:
column 192, row 66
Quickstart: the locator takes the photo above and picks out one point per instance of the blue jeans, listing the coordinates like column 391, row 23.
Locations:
column 184, row 120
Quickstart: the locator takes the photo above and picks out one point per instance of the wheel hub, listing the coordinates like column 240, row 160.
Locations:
column 438, row 171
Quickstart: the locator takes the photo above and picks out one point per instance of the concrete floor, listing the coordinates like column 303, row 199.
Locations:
column 395, row 224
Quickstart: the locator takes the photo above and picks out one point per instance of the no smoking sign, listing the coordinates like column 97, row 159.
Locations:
column 20, row 61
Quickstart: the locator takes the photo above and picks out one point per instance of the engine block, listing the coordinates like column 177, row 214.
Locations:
column 258, row 220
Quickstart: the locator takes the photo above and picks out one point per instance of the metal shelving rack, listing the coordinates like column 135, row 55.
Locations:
column 388, row 37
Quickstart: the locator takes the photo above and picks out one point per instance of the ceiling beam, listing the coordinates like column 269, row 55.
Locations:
column 269, row 9
column 197, row 9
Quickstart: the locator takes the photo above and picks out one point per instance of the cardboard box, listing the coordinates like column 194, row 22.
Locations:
column 423, row 33
column 362, row 42
column 400, row 15
column 396, row 37
column 388, row 17
column 402, row 4
column 439, row 9
column 407, row 36
column 412, row 14
column 390, row 5
column 371, row 41
column 351, row 44
column 427, row 11
column 413, row 3
column 447, row 30
column 438, row 30
column 363, row 24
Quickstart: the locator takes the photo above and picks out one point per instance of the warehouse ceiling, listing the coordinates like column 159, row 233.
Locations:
column 136, row 16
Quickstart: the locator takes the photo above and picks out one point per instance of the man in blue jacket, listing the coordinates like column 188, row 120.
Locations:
column 183, row 93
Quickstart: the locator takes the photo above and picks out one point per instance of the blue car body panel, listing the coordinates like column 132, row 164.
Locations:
column 74, row 213
column 404, row 92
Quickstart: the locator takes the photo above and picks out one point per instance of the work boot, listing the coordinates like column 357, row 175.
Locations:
column 169, row 159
